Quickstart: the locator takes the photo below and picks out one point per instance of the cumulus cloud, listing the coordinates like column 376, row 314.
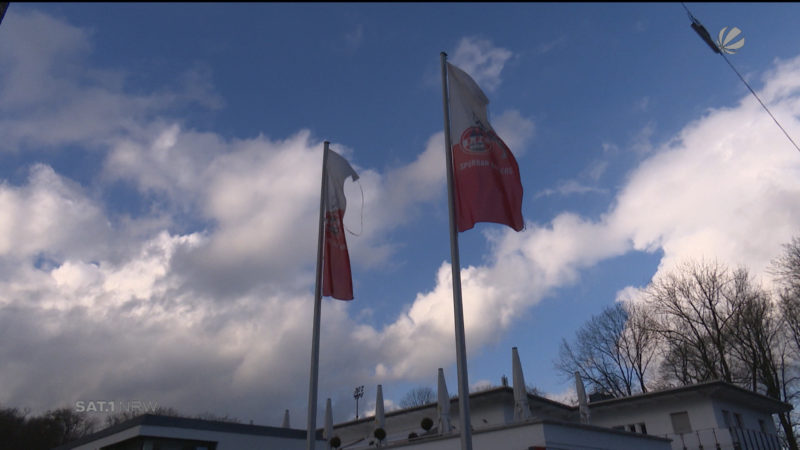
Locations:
column 719, row 189
column 355, row 37
column 482, row 60
column 49, row 215
column 213, row 315
column 139, row 306
column 515, row 130
column 569, row 187
column 51, row 96
column 547, row 47
column 585, row 183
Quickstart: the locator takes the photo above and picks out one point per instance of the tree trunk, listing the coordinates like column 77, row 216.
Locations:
column 788, row 431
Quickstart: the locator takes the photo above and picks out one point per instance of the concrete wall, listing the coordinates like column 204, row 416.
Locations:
column 549, row 435
column 656, row 414
column 705, row 417
column 489, row 409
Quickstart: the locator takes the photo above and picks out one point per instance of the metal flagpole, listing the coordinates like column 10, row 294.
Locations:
column 458, row 310
column 314, row 377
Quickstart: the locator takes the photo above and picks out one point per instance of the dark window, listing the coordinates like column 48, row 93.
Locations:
column 680, row 422
column 642, row 428
column 726, row 416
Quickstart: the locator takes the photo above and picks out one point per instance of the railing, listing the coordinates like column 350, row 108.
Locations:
column 733, row 438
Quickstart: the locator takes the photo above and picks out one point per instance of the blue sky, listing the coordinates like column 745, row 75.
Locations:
column 159, row 183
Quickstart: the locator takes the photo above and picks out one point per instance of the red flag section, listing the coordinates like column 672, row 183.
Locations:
column 337, row 281
column 486, row 175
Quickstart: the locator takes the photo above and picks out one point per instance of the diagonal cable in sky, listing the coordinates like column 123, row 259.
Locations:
column 3, row 8
column 706, row 37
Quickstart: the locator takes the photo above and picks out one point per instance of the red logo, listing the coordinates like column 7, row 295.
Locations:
column 479, row 141
column 476, row 140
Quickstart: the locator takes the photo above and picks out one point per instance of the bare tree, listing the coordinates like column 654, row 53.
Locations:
column 417, row 397
column 639, row 342
column 786, row 269
column 612, row 351
column 70, row 425
column 718, row 323
column 122, row 416
column 759, row 344
column 18, row 431
column 695, row 317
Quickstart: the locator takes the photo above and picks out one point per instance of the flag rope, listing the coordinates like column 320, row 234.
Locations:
column 362, row 212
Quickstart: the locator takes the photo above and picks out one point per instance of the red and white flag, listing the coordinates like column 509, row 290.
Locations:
column 486, row 175
column 337, row 281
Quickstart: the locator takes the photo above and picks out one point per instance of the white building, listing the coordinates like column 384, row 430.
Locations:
column 714, row 415
column 551, row 425
column 706, row 416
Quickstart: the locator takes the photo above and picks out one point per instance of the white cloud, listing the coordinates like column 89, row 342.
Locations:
column 642, row 104
column 547, row 47
column 640, row 142
column 596, row 170
column 515, row 130
column 51, row 96
column 592, row 174
column 569, row 187
column 27, row 62
column 568, row 396
column 481, row 60
column 354, row 38
column 49, row 215
column 126, row 308
column 720, row 190
column 723, row 190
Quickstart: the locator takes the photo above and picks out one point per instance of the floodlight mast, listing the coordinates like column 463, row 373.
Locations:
column 357, row 394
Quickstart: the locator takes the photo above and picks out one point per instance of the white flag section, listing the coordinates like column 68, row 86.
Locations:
column 467, row 100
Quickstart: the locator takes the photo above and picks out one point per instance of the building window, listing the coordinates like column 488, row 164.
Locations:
column 632, row 428
column 726, row 416
column 680, row 422
column 762, row 426
column 642, row 428
column 739, row 422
